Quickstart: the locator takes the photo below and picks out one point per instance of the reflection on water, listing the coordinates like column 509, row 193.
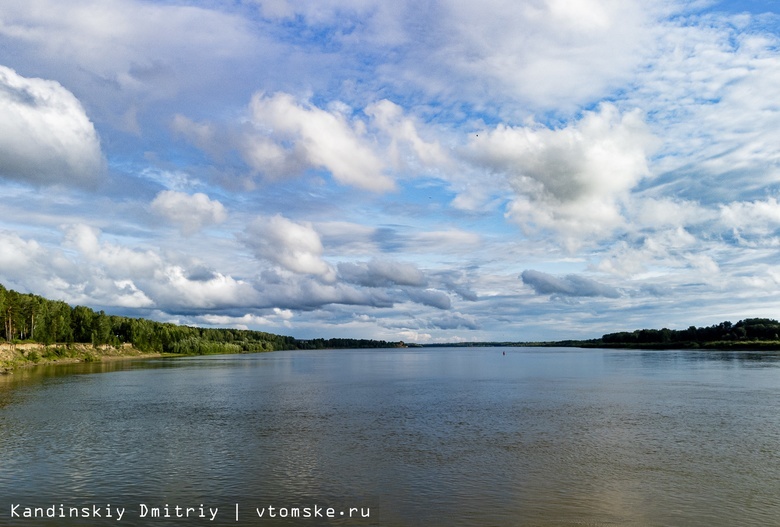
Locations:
column 422, row 437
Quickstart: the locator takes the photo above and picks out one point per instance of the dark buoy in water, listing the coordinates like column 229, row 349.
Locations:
column 503, row 352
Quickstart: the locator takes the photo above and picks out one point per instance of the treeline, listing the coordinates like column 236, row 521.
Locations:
column 723, row 335
column 28, row 317
column 319, row 344
column 748, row 334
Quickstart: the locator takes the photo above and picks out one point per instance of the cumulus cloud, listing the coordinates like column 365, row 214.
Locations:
column 202, row 135
column 306, row 292
column 660, row 213
column 760, row 217
column 381, row 273
column 190, row 213
column 45, row 134
column 284, row 137
column 570, row 180
column 404, row 279
column 108, row 273
column 456, row 321
column 16, row 254
column 430, row 297
column 405, row 146
column 173, row 289
column 570, row 285
column 293, row 246
column 112, row 258
column 292, row 136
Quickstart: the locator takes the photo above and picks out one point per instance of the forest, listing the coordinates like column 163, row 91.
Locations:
column 753, row 333
column 748, row 334
column 31, row 318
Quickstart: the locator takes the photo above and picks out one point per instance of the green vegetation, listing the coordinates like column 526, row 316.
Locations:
column 751, row 333
column 57, row 327
column 31, row 318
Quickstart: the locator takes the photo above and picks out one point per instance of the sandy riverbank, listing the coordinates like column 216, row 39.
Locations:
column 14, row 356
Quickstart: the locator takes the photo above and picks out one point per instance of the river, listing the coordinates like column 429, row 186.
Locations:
column 403, row 437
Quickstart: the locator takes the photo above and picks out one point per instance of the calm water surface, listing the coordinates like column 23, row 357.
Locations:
column 428, row 437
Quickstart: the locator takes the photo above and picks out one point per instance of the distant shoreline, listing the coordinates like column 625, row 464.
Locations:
column 750, row 345
column 25, row 355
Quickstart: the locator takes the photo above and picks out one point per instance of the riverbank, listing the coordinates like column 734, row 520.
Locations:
column 13, row 356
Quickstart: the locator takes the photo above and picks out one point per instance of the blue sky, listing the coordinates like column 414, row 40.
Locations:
column 418, row 171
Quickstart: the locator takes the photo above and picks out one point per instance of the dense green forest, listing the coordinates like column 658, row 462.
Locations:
column 750, row 332
column 28, row 317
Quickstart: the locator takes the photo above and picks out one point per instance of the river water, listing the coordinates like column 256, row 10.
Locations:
column 408, row 437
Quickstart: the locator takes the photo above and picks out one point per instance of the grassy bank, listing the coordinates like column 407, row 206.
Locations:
column 31, row 354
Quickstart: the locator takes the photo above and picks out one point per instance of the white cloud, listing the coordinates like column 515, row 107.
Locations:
column 111, row 259
column 291, row 137
column 243, row 322
column 429, row 297
column 109, row 273
column 284, row 138
column 414, row 336
column 655, row 253
column 45, row 134
column 172, row 288
column 660, row 213
column 128, row 53
column 543, row 53
column 761, row 217
column 456, row 321
column 452, row 240
column 128, row 295
column 293, row 246
column 710, row 94
column 570, row 285
column 301, row 292
column 406, row 148
column 190, row 213
column 17, row 255
column 572, row 180
column 172, row 179
column 347, row 237
column 202, row 135
column 381, row 273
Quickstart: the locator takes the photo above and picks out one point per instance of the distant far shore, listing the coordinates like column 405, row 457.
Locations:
column 741, row 345
column 27, row 354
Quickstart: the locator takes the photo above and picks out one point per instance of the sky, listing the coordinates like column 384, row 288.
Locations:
column 425, row 171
